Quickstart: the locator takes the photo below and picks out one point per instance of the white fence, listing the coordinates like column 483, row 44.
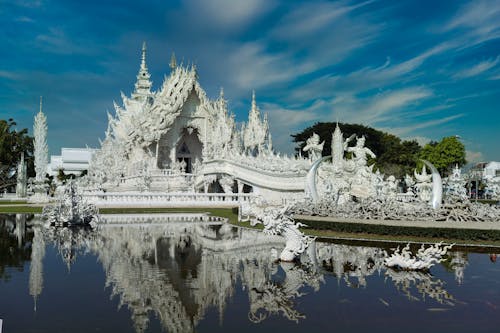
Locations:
column 150, row 199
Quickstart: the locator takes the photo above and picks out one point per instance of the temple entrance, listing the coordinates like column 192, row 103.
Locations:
column 189, row 149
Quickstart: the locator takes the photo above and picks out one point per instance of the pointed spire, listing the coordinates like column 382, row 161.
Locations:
column 41, row 149
column 173, row 61
column 221, row 93
column 254, row 104
column 143, row 57
column 143, row 84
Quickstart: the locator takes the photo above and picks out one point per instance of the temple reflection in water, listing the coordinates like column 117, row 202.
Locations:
column 177, row 270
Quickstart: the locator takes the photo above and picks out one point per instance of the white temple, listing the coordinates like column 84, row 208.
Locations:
column 177, row 139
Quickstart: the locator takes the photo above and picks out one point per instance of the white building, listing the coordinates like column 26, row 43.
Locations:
column 71, row 161
column 491, row 170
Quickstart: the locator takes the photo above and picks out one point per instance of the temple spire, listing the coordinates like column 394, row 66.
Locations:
column 173, row 62
column 143, row 57
column 41, row 149
column 143, row 83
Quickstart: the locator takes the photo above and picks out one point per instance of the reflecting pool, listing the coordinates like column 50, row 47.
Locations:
column 191, row 272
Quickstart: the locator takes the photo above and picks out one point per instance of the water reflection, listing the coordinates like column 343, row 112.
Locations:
column 178, row 271
column 15, row 247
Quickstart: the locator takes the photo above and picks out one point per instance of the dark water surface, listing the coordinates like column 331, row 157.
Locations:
column 136, row 274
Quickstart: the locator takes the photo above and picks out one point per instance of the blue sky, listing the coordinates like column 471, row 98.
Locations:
column 417, row 69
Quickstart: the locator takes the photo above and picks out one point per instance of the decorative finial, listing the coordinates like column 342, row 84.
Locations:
column 40, row 103
column 221, row 94
column 173, row 62
column 143, row 57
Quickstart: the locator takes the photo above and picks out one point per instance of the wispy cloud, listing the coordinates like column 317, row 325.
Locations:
column 403, row 131
column 9, row 75
column 287, row 121
column 229, row 14
column 480, row 19
column 478, row 68
column 379, row 108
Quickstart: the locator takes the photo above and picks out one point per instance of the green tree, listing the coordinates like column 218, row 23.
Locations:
column 12, row 144
column 444, row 154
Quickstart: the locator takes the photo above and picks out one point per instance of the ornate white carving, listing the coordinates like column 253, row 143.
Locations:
column 314, row 147
column 455, row 187
column 41, row 149
column 21, row 187
column 279, row 222
column 256, row 131
column 70, row 209
column 424, row 259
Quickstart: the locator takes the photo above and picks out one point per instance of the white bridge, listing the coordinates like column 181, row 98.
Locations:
column 274, row 180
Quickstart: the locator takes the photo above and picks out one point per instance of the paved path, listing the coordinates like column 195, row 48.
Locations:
column 417, row 224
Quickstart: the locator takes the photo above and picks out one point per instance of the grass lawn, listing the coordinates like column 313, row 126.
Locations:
column 20, row 209
column 16, row 202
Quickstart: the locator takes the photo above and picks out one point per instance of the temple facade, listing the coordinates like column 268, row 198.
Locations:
column 178, row 139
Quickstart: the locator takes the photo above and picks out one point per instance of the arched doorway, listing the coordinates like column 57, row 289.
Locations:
column 189, row 148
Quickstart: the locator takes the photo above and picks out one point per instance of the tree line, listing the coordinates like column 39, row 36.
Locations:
column 13, row 143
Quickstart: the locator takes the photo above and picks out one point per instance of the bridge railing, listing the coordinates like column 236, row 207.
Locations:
column 151, row 199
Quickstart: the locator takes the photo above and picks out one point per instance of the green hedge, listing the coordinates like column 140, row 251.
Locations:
column 445, row 233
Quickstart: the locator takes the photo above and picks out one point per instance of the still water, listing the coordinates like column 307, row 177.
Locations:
column 171, row 273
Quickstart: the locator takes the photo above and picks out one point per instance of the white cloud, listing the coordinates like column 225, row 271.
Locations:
column 421, row 140
column 477, row 69
column 473, row 156
column 378, row 108
column 9, row 75
column 56, row 40
column 326, row 32
column 364, row 79
column 311, row 17
column 479, row 18
column 28, row 3
column 228, row 15
column 285, row 121
column 405, row 130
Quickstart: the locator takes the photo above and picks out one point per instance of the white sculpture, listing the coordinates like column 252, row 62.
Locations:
column 437, row 186
column 360, row 152
column 423, row 184
column 423, row 260
column 21, row 187
column 455, row 187
column 314, row 147
column 70, row 209
column 343, row 178
column 493, row 187
column 278, row 222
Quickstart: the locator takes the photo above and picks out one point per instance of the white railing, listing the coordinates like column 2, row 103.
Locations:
column 145, row 219
column 405, row 197
column 151, row 199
